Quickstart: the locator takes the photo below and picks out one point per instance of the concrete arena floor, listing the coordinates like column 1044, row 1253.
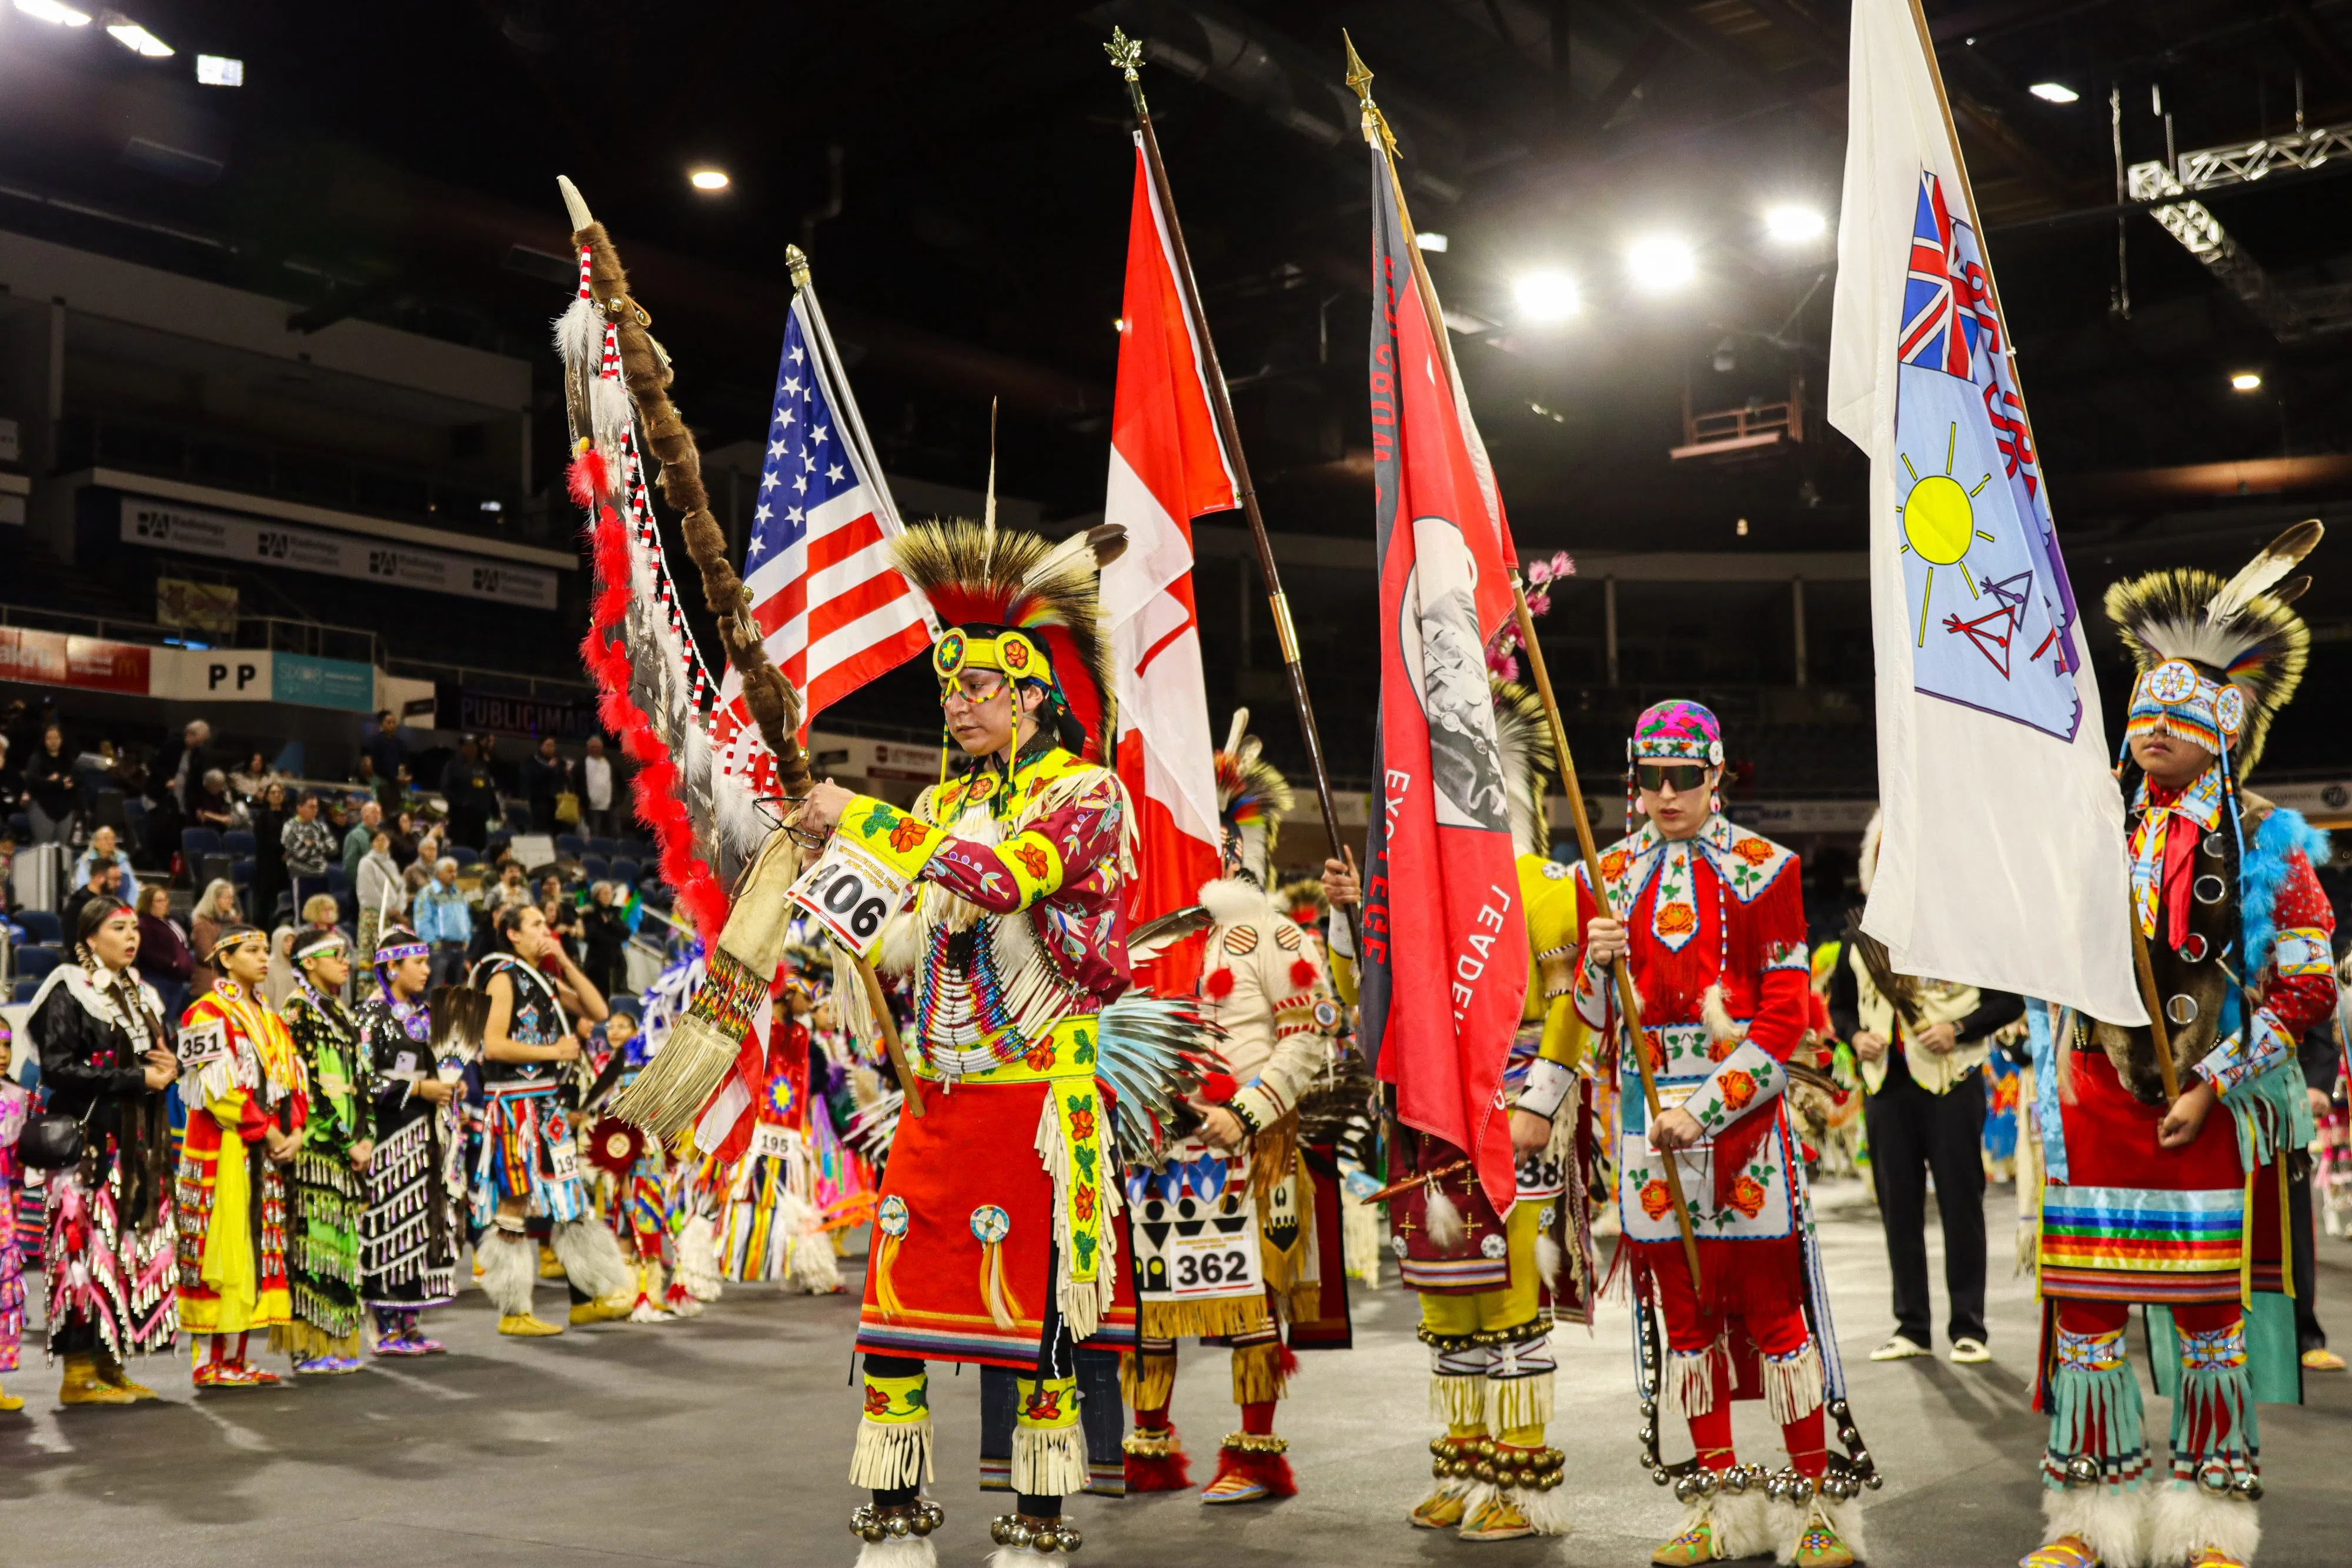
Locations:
column 722, row 1441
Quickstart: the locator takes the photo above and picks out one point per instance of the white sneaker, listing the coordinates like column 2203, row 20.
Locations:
column 1970, row 1352
column 1900, row 1349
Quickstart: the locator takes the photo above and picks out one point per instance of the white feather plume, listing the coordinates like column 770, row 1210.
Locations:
column 2278, row 557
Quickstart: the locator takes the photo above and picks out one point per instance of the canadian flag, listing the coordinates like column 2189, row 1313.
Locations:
column 1166, row 467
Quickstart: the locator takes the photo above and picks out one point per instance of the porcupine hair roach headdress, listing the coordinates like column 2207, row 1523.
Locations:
column 1252, row 797
column 1524, row 734
column 1016, row 602
column 2217, row 660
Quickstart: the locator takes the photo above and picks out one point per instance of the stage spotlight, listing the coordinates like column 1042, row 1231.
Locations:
column 2054, row 92
column 53, row 13
column 2246, row 381
column 709, row 179
column 219, row 70
column 137, row 39
column 1791, row 225
column 1726, row 355
column 1428, row 241
column 1546, row 295
column 1660, row 264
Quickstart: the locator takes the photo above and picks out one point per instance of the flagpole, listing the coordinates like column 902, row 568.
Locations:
column 1629, row 1002
column 1126, row 56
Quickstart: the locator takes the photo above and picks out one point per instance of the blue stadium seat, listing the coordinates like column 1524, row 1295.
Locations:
column 597, row 867
column 195, row 844
column 34, row 960
column 465, row 855
column 571, row 846
column 239, row 843
column 42, row 925
column 627, row 871
column 339, row 881
column 241, row 872
column 519, row 818
column 608, row 848
column 25, row 989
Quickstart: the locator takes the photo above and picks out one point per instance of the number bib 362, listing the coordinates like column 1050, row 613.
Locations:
column 1195, row 1226
column 850, row 893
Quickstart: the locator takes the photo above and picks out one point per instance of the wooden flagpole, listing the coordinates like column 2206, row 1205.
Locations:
column 1126, row 55
column 1629, row 1002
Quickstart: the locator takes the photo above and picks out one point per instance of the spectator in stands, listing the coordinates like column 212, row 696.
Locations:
column 403, row 827
column 546, row 776
column 164, row 960
column 251, row 780
column 358, row 841
column 383, row 747
column 597, row 792
column 7, row 867
column 562, row 916
column 270, row 815
column 472, row 799
column 321, row 913
column 502, row 772
column 180, row 767
column 383, row 892
column 105, row 880
column 12, row 782
column 215, row 911
column 604, row 933
column 309, row 844
column 49, row 784
column 443, row 917
column 103, row 847
column 214, row 806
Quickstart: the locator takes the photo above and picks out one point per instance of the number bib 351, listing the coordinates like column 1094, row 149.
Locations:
column 850, row 893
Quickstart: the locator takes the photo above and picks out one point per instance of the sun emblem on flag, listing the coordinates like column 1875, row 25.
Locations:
column 1939, row 522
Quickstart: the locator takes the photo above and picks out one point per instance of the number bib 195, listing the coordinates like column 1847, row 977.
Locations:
column 850, row 893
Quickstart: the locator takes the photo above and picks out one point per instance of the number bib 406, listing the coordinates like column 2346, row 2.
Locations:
column 850, row 893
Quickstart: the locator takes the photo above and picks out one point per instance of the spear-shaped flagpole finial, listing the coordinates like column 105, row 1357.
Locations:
column 1359, row 76
column 796, row 263
column 574, row 202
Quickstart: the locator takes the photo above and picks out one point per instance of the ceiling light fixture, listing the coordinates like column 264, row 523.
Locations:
column 2246, row 381
column 709, row 179
column 1429, row 241
column 219, row 70
column 1660, row 264
column 2054, row 92
column 136, row 39
column 1792, row 225
column 1544, row 295
column 53, row 13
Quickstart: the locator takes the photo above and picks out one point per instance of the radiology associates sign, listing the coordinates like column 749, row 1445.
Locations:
column 163, row 525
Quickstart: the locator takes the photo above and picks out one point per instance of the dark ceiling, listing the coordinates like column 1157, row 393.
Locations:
column 387, row 162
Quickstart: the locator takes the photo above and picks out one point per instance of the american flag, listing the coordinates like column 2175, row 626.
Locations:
column 833, row 611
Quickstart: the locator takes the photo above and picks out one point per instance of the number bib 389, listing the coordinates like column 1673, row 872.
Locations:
column 1195, row 1225
column 850, row 893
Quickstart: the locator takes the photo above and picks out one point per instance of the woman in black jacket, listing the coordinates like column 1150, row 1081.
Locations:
column 269, row 814
column 51, row 789
column 106, row 1058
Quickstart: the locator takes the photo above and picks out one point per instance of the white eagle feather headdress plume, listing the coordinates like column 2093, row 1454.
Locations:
column 2242, row 632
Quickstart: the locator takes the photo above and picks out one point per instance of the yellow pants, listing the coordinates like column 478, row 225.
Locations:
column 1462, row 1381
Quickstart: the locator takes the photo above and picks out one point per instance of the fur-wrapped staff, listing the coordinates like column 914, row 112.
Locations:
column 655, row 687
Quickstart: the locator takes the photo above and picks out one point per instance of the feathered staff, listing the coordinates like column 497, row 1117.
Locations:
column 652, row 682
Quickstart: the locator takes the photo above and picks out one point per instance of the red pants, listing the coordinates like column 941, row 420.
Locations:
column 1776, row 1327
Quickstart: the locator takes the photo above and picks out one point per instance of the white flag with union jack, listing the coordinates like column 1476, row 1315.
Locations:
column 2003, row 823
column 832, row 610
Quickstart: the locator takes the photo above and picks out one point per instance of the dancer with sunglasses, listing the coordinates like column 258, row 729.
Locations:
column 1711, row 918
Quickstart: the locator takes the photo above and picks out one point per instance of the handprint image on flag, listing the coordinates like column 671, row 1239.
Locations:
column 1989, row 603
